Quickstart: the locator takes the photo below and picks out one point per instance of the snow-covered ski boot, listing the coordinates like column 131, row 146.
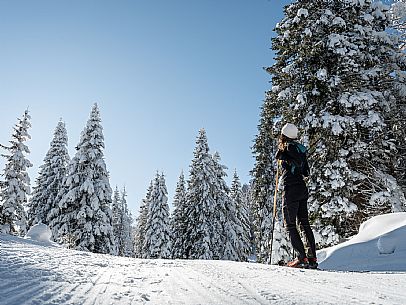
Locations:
column 313, row 263
column 299, row 263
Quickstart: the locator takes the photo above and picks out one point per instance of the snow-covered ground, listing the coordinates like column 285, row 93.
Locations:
column 40, row 272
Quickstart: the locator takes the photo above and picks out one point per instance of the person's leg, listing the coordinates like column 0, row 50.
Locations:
column 290, row 211
column 303, row 218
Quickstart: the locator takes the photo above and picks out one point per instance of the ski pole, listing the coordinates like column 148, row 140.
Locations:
column 274, row 210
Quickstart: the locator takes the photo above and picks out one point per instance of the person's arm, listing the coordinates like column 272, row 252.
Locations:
column 306, row 168
column 278, row 155
column 281, row 154
column 292, row 153
column 283, row 157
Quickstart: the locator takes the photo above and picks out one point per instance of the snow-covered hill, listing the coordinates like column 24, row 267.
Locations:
column 39, row 272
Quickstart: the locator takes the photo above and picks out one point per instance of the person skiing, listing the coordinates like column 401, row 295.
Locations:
column 292, row 156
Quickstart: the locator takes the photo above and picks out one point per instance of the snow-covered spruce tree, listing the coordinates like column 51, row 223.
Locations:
column 248, row 202
column 126, row 234
column 50, row 178
column 398, row 22
column 204, row 232
column 117, row 222
column 16, row 184
column 54, row 218
column 84, row 217
column 179, row 219
column 263, row 183
column 281, row 248
column 226, row 213
column 242, row 219
column 133, row 234
column 398, row 18
column 157, row 243
column 333, row 77
column 140, row 223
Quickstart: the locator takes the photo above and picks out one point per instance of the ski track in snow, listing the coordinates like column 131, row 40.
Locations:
column 31, row 273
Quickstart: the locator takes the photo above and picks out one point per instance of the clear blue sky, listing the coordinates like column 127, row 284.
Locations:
column 159, row 69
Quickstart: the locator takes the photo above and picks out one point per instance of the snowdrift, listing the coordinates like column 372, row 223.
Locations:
column 380, row 245
column 40, row 233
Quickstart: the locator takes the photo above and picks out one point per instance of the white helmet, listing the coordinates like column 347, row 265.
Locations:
column 290, row 130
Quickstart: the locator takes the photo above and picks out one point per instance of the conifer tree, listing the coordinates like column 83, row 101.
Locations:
column 281, row 248
column 204, row 232
column 50, row 178
column 126, row 234
column 247, row 201
column 242, row 219
column 333, row 79
column 398, row 18
column 122, row 224
column 157, row 243
column 263, row 184
column 117, row 221
column 84, row 216
column 226, row 213
column 179, row 219
column 16, row 184
column 398, row 22
column 141, row 221
column 56, row 221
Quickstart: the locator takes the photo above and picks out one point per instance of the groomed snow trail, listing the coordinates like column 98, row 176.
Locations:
column 32, row 273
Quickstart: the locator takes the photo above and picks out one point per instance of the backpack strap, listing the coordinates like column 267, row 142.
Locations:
column 302, row 150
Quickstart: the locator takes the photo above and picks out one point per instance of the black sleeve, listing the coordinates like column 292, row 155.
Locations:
column 293, row 153
column 306, row 168
column 281, row 155
column 278, row 155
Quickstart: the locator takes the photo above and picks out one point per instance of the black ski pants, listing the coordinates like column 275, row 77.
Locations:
column 295, row 209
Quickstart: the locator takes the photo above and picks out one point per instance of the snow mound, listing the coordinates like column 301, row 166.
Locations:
column 40, row 233
column 380, row 245
column 387, row 244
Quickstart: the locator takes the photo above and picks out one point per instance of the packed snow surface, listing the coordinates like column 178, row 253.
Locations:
column 380, row 245
column 36, row 273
